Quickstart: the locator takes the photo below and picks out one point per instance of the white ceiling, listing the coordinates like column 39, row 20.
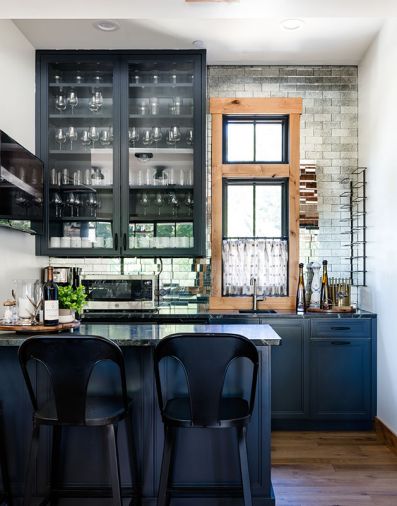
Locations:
column 228, row 41
column 247, row 32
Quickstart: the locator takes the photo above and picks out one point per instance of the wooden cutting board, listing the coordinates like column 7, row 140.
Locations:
column 39, row 329
column 339, row 309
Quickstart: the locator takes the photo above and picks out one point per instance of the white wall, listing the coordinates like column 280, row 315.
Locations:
column 377, row 150
column 17, row 118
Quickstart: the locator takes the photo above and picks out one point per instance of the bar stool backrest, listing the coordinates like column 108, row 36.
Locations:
column 205, row 359
column 70, row 360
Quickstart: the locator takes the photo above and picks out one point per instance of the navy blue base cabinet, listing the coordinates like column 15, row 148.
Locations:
column 324, row 373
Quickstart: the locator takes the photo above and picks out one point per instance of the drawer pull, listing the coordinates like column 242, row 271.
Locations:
column 341, row 343
column 340, row 328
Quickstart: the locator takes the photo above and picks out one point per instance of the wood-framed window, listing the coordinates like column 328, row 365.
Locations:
column 265, row 164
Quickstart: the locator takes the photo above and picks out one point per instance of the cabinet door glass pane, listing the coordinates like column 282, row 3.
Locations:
column 80, row 155
column 161, row 142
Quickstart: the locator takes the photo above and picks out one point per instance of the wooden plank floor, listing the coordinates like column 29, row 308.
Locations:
column 333, row 469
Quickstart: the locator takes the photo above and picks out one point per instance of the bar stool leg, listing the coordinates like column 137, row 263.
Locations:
column 55, row 459
column 7, row 495
column 242, row 448
column 34, row 446
column 133, row 460
column 114, row 464
column 169, row 440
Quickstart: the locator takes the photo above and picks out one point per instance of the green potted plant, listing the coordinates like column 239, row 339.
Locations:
column 71, row 302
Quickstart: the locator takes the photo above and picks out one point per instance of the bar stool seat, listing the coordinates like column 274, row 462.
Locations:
column 205, row 359
column 70, row 360
column 100, row 410
column 233, row 411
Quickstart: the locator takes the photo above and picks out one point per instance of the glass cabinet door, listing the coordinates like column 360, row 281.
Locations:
column 83, row 188
column 161, row 205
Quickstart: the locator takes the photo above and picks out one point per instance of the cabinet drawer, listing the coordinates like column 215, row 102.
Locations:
column 338, row 327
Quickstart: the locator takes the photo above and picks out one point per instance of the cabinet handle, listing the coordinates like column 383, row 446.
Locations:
column 341, row 343
column 340, row 328
column 116, row 241
column 124, row 241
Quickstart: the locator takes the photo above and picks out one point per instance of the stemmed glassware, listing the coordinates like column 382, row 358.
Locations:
column 92, row 204
column 104, row 137
column 133, row 135
column 73, row 100
column 70, row 201
column 85, row 138
column 156, row 134
column 77, row 204
column 174, row 203
column 60, row 137
column 189, row 203
column 189, row 137
column 93, row 135
column 56, row 201
column 173, row 135
column 72, row 136
column 95, row 103
column 145, row 202
column 159, row 202
column 61, row 102
column 147, row 137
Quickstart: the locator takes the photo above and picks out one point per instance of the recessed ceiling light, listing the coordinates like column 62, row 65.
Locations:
column 292, row 24
column 198, row 44
column 106, row 25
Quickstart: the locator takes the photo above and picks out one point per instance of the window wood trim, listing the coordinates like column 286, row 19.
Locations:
column 218, row 108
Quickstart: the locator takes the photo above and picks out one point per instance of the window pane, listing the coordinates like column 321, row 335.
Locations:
column 240, row 207
column 269, row 142
column 240, row 142
column 268, row 211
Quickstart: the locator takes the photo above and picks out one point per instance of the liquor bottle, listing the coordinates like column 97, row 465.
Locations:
column 51, row 303
column 325, row 293
column 300, row 293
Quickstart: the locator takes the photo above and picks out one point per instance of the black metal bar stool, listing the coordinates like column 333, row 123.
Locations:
column 6, row 495
column 205, row 359
column 70, row 361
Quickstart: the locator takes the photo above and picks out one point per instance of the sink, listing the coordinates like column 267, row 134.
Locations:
column 257, row 311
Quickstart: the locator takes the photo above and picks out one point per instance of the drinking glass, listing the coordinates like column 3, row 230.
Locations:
column 61, row 102
column 72, row 136
column 104, row 138
column 155, row 78
column 73, row 100
column 170, row 137
column 77, row 177
column 99, row 99
column 189, row 203
column 79, row 78
column 85, row 138
column 87, row 177
column 60, row 137
column 173, row 78
column 93, row 134
column 142, row 107
column 65, row 177
column 159, row 202
column 70, row 200
column 133, row 135
column 57, row 77
column 145, row 202
column 156, row 134
column 77, row 204
column 154, row 106
column 92, row 204
column 189, row 137
column 55, row 177
column 96, row 101
column 147, row 137
column 56, row 201
column 176, row 106
column 174, row 203
column 136, row 78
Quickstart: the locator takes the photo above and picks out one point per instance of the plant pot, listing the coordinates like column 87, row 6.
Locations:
column 66, row 316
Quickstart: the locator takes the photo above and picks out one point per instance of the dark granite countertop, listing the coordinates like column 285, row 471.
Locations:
column 150, row 334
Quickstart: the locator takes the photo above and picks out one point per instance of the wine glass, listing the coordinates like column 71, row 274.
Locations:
column 174, row 203
column 176, row 132
column 56, row 201
column 147, row 137
column 104, row 138
column 92, row 204
column 92, row 105
column 93, row 134
column 159, row 202
column 85, row 138
column 170, row 137
column 72, row 136
column 60, row 137
column 70, row 200
column 73, row 100
column 61, row 102
column 156, row 134
column 189, row 203
column 145, row 202
column 111, row 135
column 77, row 204
column 133, row 135
column 99, row 99
column 79, row 77
column 189, row 137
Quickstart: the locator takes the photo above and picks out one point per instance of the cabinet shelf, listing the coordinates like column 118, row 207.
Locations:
column 160, row 116
column 161, row 85
column 87, row 84
column 86, row 116
column 164, row 188
column 81, row 188
column 160, row 219
column 69, row 219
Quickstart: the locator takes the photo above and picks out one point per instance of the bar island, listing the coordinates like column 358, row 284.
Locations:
column 206, row 463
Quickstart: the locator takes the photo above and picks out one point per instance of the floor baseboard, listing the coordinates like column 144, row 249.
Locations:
column 387, row 435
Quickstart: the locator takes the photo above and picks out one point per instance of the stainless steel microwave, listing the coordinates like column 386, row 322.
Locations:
column 120, row 292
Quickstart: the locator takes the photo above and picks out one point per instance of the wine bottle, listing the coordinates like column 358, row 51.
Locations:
column 324, row 294
column 51, row 303
column 301, row 294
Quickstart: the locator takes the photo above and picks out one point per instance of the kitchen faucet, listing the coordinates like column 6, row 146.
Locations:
column 255, row 298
